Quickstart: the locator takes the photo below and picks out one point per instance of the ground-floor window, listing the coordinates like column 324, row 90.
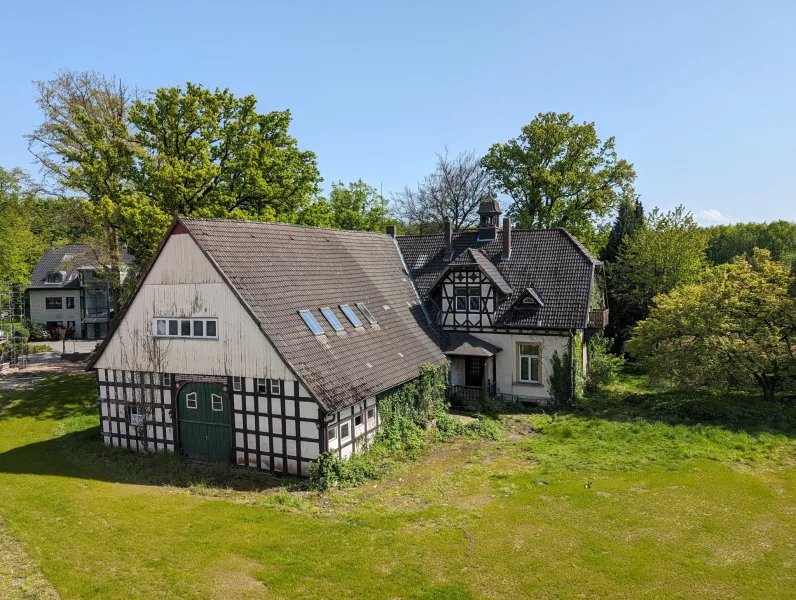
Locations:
column 528, row 358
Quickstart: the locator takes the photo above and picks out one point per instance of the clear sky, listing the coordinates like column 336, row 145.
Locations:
column 699, row 95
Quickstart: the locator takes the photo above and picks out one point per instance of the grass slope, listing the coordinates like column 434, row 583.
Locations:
column 642, row 494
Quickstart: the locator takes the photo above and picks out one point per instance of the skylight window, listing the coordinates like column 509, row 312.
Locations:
column 366, row 313
column 327, row 312
column 315, row 328
column 349, row 314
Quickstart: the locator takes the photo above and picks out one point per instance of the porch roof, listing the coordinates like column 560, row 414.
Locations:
column 464, row 344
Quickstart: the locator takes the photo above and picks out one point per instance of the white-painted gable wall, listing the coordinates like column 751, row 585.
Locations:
column 183, row 283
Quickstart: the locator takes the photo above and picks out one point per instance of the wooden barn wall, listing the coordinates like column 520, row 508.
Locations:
column 269, row 432
column 183, row 283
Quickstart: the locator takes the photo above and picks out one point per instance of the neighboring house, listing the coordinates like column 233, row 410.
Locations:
column 262, row 344
column 66, row 292
column 506, row 302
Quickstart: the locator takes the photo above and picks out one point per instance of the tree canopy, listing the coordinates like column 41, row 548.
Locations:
column 559, row 173
column 735, row 328
column 455, row 189
column 728, row 241
column 668, row 251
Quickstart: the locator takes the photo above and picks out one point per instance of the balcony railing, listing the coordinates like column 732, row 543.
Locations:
column 598, row 319
column 96, row 313
column 468, row 397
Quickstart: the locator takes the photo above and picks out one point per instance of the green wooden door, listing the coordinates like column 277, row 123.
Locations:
column 204, row 422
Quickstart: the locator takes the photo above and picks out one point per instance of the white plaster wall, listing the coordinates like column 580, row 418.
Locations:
column 39, row 313
column 183, row 283
column 507, row 361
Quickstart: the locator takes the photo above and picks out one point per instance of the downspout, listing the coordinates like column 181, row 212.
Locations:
column 572, row 366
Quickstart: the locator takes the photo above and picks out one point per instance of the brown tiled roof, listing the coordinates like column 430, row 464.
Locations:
column 280, row 269
column 550, row 261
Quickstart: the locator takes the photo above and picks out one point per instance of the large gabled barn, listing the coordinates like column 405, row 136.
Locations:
column 262, row 344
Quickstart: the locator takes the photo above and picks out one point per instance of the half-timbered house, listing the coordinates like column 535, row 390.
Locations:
column 262, row 344
column 507, row 301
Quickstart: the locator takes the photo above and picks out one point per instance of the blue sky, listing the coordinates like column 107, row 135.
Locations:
column 699, row 95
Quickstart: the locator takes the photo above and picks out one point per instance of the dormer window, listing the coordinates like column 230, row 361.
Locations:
column 531, row 299
column 56, row 277
column 468, row 299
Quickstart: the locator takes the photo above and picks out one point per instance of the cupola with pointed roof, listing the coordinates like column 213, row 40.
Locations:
column 489, row 211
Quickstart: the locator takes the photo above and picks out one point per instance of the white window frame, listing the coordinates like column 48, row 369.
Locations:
column 347, row 425
column 213, row 398
column 261, row 385
column 179, row 322
column 276, row 387
column 331, row 433
column 469, row 298
column 371, row 414
column 529, row 358
column 167, row 379
column 361, row 420
column 191, row 398
column 136, row 416
column 350, row 315
column 331, row 318
column 237, row 384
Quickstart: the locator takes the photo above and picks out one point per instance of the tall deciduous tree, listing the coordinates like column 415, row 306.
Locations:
column 20, row 247
column 735, row 328
column 84, row 146
column 668, row 251
column 454, row 189
column 559, row 174
column 210, row 153
column 356, row 206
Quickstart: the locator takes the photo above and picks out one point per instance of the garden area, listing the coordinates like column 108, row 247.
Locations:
column 639, row 491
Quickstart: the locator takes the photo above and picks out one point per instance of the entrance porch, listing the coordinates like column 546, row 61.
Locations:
column 473, row 369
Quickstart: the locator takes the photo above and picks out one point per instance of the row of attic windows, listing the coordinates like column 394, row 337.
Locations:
column 332, row 319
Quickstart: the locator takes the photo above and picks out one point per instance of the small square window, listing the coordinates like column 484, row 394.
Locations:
column 461, row 303
column 261, row 386
column 174, row 328
column 166, row 379
column 276, row 387
column 185, row 328
column 358, row 420
column 70, row 302
column 345, row 431
column 161, row 327
column 331, row 433
column 198, row 329
column 216, row 403
column 190, row 400
column 475, row 303
column 136, row 416
column 237, row 384
column 211, row 329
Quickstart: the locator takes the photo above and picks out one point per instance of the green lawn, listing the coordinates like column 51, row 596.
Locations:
column 642, row 494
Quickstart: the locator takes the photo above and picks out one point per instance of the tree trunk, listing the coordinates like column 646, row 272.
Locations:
column 767, row 386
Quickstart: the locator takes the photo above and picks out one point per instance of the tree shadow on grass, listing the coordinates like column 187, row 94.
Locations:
column 69, row 402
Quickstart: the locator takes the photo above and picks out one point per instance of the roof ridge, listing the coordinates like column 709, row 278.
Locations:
column 278, row 223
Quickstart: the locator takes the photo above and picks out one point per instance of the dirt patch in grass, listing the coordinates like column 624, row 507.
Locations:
column 20, row 577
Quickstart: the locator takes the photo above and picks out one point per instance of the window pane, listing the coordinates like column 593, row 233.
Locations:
column 332, row 433
column 198, row 328
column 345, row 430
column 529, row 349
column 475, row 303
column 461, row 303
column 358, row 420
column 211, row 329
column 216, row 403
column 524, row 369
column 261, row 386
column 311, row 322
column 366, row 313
column 161, row 328
column 236, row 383
column 276, row 387
column 185, row 328
column 370, row 414
column 349, row 314
column 534, row 369
column 329, row 315
column 460, row 291
column 174, row 327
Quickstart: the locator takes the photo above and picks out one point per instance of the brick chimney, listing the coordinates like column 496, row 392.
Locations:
column 506, row 238
column 447, row 228
column 391, row 230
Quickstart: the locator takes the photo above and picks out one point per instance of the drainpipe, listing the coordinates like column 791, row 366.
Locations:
column 572, row 365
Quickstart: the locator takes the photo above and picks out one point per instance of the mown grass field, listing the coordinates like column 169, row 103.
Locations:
column 641, row 494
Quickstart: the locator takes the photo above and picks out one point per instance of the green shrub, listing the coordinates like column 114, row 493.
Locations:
column 560, row 380
column 37, row 332
column 330, row 471
column 603, row 367
column 448, row 427
column 487, row 429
